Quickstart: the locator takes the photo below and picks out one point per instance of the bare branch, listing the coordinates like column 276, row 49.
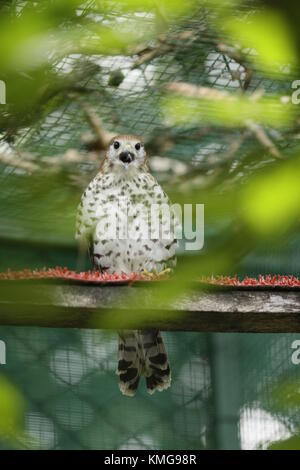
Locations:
column 164, row 44
column 104, row 137
column 264, row 139
column 199, row 92
column 194, row 91
column 15, row 161
column 236, row 55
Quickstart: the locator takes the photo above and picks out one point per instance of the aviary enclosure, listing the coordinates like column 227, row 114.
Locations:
column 212, row 88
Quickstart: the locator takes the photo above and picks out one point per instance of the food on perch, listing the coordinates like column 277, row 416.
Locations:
column 101, row 278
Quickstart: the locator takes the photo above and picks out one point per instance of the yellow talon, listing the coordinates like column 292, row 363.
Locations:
column 147, row 273
column 155, row 273
column 163, row 273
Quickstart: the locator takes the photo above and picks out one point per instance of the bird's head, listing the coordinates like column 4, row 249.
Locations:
column 126, row 154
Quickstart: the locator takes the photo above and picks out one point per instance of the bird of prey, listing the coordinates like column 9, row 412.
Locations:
column 113, row 217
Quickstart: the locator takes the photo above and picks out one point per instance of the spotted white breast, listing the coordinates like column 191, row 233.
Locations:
column 117, row 216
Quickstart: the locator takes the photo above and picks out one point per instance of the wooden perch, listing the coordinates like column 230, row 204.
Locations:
column 85, row 306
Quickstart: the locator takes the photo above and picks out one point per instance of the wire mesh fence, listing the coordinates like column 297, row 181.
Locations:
column 126, row 92
column 228, row 390
column 69, row 382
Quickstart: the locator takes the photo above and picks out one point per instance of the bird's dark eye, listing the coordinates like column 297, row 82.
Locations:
column 116, row 144
column 137, row 146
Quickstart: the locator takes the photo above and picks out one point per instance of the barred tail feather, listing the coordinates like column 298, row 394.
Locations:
column 130, row 362
column 142, row 352
column 157, row 370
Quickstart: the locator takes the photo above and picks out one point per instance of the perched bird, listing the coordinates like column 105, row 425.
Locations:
column 113, row 217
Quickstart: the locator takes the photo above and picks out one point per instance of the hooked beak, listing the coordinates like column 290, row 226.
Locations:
column 126, row 157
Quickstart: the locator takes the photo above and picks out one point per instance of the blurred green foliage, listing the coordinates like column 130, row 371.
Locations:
column 268, row 33
column 279, row 190
column 231, row 111
column 233, row 126
column 12, row 410
column 293, row 443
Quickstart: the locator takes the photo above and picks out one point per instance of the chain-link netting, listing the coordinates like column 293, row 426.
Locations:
column 69, row 382
column 126, row 92
column 68, row 376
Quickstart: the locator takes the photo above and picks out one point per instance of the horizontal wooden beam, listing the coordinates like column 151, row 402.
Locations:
column 115, row 307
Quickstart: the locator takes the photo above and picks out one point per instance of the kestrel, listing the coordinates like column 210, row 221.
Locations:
column 113, row 217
